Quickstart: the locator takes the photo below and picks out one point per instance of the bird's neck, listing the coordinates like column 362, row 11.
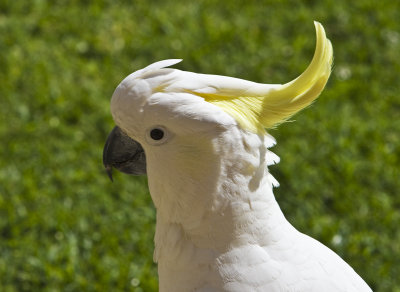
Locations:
column 250, row 219
column 207, row 256
column 242, row 212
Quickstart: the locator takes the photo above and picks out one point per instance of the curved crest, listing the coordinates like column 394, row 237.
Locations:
column 260, row 106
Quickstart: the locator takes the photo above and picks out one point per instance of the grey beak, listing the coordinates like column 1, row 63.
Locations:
column 124, row 154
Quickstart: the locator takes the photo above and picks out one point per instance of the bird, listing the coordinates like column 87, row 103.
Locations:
column 203, row 142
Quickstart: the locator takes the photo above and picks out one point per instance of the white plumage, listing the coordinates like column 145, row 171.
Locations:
column 219, row 227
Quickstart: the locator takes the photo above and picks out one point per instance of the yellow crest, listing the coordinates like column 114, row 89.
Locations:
column 264, row 106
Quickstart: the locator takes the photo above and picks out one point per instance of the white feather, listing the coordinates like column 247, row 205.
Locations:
column 219, row 227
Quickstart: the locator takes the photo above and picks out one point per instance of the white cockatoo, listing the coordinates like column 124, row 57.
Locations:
column 201, row 140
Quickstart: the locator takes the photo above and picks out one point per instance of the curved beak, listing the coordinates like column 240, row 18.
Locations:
column 124, row 154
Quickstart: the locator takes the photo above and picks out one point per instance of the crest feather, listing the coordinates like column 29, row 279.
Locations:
column 263, row 105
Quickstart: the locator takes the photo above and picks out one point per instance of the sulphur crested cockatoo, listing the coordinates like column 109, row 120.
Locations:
column 201, row 141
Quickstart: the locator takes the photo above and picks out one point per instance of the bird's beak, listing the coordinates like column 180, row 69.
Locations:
column 123, row 153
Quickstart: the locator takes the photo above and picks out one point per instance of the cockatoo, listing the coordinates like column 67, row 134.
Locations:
column 201, row 140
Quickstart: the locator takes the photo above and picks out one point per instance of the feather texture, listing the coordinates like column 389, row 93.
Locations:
column 258, row 106
column 219, row 227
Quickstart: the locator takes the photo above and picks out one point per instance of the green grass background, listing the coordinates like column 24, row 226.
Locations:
column 65, row 227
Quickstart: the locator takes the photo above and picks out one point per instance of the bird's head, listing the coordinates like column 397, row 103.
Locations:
column 172, row 125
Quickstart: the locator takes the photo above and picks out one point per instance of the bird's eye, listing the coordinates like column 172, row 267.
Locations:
column 156, row 134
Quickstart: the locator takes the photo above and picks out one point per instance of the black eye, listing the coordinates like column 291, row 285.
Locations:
column 156, row 134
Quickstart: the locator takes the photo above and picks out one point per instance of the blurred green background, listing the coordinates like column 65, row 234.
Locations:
column 65, row 227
